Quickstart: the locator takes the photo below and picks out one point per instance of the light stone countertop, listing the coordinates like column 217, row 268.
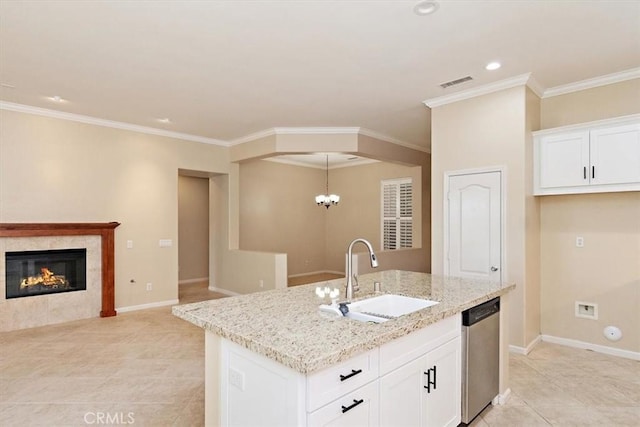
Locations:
column 287, row 326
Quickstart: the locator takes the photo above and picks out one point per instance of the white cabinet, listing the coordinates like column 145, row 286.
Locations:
column 430, row 390
column 358, row 408
column 600, row 156
column 564, row 160
column 615, row 155
column 413, row 380
column 444, row 379
column 330, row 383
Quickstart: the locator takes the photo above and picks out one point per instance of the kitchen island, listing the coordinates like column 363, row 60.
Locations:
column 271, row 356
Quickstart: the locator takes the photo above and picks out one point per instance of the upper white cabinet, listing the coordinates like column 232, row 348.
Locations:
column 601, row 156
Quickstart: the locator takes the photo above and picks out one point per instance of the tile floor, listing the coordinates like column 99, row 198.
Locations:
column 145, row 368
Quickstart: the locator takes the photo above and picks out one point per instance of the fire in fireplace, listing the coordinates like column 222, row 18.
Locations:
column 32, row 273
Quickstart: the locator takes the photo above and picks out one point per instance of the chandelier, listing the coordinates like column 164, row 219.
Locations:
column 327, row 199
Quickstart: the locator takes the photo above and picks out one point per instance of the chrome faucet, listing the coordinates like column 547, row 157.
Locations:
column 372, row 258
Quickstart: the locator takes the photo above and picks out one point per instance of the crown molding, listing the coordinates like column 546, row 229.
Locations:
column 316, row 130
column 20, row 108
column 608, row 79
column 361, row 161
column 382, row 137
column 614, row 121
column 535, row 86
column 347, row 130
column 252, row 137
column 520, row 80
column 294, row 131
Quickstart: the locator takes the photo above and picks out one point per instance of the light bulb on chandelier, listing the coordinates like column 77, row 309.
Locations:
column 327, row 199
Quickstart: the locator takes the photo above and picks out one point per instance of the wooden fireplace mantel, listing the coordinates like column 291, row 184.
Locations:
column 103, row 229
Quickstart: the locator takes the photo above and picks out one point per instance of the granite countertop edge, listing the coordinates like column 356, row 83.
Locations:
column 347, row 337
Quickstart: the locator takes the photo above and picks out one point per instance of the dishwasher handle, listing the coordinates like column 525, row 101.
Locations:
column 480, row 312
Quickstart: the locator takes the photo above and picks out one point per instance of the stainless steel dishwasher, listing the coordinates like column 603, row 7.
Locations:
column 480, row 357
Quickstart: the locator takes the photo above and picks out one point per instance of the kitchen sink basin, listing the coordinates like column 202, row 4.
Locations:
column 380, row 308
column 384, row 307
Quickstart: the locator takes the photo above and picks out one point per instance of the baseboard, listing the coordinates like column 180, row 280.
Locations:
column 187, row 281
column 145, row 306
column 525, row 350
column 223, row 291
column 627, row 354
column 502, row 398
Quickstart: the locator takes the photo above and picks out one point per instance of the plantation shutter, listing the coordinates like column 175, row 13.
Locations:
column 397, row 210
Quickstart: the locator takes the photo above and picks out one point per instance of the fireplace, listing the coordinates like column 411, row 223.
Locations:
column 30, row 273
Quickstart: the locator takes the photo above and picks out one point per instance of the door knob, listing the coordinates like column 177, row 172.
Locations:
column 494, row 268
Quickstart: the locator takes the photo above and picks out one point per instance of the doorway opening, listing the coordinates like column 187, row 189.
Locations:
column 194, row 237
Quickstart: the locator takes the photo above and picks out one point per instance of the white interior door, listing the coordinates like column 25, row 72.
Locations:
column 474, row 235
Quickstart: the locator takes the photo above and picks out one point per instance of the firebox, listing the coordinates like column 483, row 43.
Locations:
column 32, row 273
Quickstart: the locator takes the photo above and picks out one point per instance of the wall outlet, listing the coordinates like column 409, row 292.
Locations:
column 261, row 283
column 129, row 244
column 587, row 310
column 579, row 242
column 236, row 378
column 165, row 243
column 149, row 286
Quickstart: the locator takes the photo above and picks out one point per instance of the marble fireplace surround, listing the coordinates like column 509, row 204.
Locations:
column 99, row 240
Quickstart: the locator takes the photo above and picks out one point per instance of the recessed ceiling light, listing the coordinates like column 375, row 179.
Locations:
column 425, row 7
column 56, row 98
column 493, row 66
column 164, row 120
column 7, row 85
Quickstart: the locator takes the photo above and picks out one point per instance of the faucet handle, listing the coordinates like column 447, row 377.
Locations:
column 356, row 286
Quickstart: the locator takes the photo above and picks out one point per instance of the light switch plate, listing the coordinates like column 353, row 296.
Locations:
column 165, row 243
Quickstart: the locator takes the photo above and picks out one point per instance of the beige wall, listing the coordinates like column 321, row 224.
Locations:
column 614, row 100
column 486, row 131
column 532, row 224
column 279, row 214
column 231, row 269
column 358, row 214
column 607, row 270
column 193, row 228
column 55, row 170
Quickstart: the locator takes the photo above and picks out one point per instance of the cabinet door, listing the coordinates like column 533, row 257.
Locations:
column 564, row 160
column 615, row 155
column 443, row 396
column 401, row 395
column 356, row 409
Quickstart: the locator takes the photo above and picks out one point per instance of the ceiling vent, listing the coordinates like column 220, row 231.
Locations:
column 455, row 82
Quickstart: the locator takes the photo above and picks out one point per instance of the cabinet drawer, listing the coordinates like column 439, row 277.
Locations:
column 405, row 349
column 335, row 381
column 358, row 408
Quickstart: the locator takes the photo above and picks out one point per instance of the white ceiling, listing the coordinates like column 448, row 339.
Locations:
column 227, row 69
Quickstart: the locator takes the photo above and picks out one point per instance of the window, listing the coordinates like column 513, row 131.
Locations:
column 397, row 208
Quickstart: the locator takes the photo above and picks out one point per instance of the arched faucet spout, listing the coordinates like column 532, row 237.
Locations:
column 372, row 259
